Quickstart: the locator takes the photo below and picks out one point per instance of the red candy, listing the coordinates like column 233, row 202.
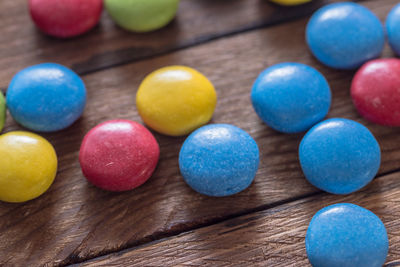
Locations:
column 65, row 18
column 118, row 155
column 376, row 91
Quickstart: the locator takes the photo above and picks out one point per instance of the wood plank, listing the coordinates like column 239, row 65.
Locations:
column 22, row 45
column 274, row 237
column 75, row 221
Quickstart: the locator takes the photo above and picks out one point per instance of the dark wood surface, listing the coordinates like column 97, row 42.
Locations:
column 272, row 237
column 107, row 45
column 230, row 42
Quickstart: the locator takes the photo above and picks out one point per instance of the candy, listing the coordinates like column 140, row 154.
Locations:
column 142, row 15
column 176, row 100
column 2, row 111
column 219, row 160
column 118, row 155
column 339, row 156
column 393, row 28
column 375, row 91
column 346, row 235
column 345, row 35
column 65, row 18
column 46, row 97
column 290, row 2
column 28, row 166
column 291, row 97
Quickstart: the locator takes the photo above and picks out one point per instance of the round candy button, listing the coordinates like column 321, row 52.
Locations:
column 339, row 156
column 2, row 111
column 219, row 160
column 290, row 2
column 28, row 166
column 118, row 155
column 142, row 15
column 345, row 35
column 65, row 18
column 393, row 28
column 46, row 97
column 176, row 100
column 291, row 97
column 346, row 235
column 375, row 91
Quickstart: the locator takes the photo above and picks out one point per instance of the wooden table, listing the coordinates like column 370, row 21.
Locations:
column 164, row 222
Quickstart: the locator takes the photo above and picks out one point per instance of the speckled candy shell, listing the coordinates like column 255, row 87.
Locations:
column 219, row 160
column 291, row 97
column 346, row 235
column 375, row 91
column 345, row 35
column 118, row 155
column 46, row 97
column 339, row 156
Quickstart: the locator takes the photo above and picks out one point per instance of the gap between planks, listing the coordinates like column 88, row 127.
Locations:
column 302, row 11
column 150, row 237
column 163, row 236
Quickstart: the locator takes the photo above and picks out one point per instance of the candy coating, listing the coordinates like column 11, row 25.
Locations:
column 142, row 15
column 175, row 100
column 393, row 28
column 118, row 155
column 345, row 35
column 375, row 91
column 339, row 156
column 291, row 97
column 28, row 166
column 219, row 160
column 65, row 18
column 346, row 235
column 46, row 97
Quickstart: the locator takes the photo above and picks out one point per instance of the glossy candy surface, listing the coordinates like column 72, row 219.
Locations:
column 219, row 160
column 393, row 29
column 339, row 156
column 118, row 155
column 65, row 18
column 291, row 97
column 28, row 166
column 345, row 35
column 2, row 111
column 375, row 91
column 142, row 15
column 176, row 100
column 46, row 97
column 346, row 235
column 290, row 2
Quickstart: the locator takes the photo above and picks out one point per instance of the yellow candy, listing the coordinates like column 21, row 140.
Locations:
column 290, row 2
column 176, row 100
column 28, row 166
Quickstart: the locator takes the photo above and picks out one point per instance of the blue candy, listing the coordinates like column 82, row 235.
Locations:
column 219, row 160
column 291, row 97
column 345, row 35
column 346, row 235
column 393, row 28
column 339, row 156
column 46, row 97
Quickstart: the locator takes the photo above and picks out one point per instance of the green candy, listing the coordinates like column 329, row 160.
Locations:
column 2, row 111
column 142, row 15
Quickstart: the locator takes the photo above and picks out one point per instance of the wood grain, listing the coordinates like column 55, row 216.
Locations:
column 274, row 237
column 75, row 221
column 198, row 21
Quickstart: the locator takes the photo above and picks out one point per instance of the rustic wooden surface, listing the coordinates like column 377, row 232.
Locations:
column 230, row 42
column 273, row 237
column 107, row 45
